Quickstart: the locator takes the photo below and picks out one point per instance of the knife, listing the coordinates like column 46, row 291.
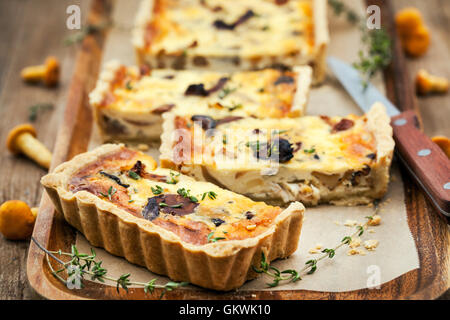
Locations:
column 426, row 162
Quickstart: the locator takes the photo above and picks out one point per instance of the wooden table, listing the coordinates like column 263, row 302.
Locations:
column 40, row 31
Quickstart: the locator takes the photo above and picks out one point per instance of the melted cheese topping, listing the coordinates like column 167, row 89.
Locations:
column 187, row 27
column 265, row 93
column 317, row 144
column 218, row 214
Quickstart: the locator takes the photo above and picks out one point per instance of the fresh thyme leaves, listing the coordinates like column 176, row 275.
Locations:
column 226, row 91
column 377, row 56
column 173, row 178
column 277, row 275
column 80, row 265
column 211, row 194
column 211, row 239
column 157, row 190
column 377, row 43
column 164, row 205
column 128, row 85
column 346, row 240
column 85, row 31
column 331, row 252
column 111, row 192
column 312, row 150
column 186, row 193
column 133, row 175
column 310, row 265
column 35, row 109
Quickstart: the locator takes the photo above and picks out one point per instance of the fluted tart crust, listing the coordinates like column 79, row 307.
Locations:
column 173, row 225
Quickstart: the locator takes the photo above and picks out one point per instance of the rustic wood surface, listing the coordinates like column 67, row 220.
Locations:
column 28, row 37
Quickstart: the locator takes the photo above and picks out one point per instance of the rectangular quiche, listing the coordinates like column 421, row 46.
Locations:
column 128, row 101
column 168, row 222
column 312, row 159
column 232, row 35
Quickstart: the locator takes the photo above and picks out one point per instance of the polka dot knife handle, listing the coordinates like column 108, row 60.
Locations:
column 424, row 159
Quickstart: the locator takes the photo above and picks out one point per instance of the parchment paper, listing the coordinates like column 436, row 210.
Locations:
column 396, row 253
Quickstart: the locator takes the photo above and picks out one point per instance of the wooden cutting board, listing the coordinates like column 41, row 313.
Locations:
column 428, row 229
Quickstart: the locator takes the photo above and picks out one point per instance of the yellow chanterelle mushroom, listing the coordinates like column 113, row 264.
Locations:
column 17, row 220
column 427, row 83
column 22, row 139
column 48, row 73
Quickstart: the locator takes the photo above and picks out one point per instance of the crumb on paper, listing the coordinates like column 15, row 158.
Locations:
column 354, row 252
column 356, row 242
column 371, row 244
column 370, row 204
column 337, row 223
column 350, row 223
column 370, row 231
column 375, row 221
column 316, row 249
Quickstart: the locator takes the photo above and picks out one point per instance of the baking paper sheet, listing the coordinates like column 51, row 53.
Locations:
column 396, row 253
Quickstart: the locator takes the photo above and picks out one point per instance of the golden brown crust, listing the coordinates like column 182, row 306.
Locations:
column 161, row 251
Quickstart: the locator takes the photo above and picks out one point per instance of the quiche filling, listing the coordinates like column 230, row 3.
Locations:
column 248, row 29
column 309, row 159
column 129, row 101
column 198, row 212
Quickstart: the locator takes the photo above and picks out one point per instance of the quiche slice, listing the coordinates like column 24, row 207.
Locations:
column 313, row 159
column 232, row 35
column 168, row 222
column 128, row 101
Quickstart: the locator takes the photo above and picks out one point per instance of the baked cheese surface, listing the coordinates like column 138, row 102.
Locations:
column 198, row 212
column 264, row 93
column 324, row 144
column 218, row 28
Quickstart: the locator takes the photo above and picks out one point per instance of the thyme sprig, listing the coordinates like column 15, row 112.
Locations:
column 376, row 54
column 80, row 265
column 35, row 109
column 79, row 36
column 310, row 267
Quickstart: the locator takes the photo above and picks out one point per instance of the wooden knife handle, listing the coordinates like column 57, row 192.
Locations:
column 427, row 161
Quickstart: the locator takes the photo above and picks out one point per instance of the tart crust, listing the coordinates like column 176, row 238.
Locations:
column 223, row 265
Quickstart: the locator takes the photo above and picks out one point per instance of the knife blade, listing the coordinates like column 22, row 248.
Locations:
column 425, row 161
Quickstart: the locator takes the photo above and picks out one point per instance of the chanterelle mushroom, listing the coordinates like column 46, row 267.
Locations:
column 22, row 139
column 48, row 73
column 427, row 83
column 16, row 220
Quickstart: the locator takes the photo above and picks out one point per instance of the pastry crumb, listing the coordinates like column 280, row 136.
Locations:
column 370, row 231
column 337, row 223
column 251, row 227
column 143, row 147
column 316, row 249
column 375, row 221
column 371, row 244
column 350, row 223
column 356, row 242
column 353, row 252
